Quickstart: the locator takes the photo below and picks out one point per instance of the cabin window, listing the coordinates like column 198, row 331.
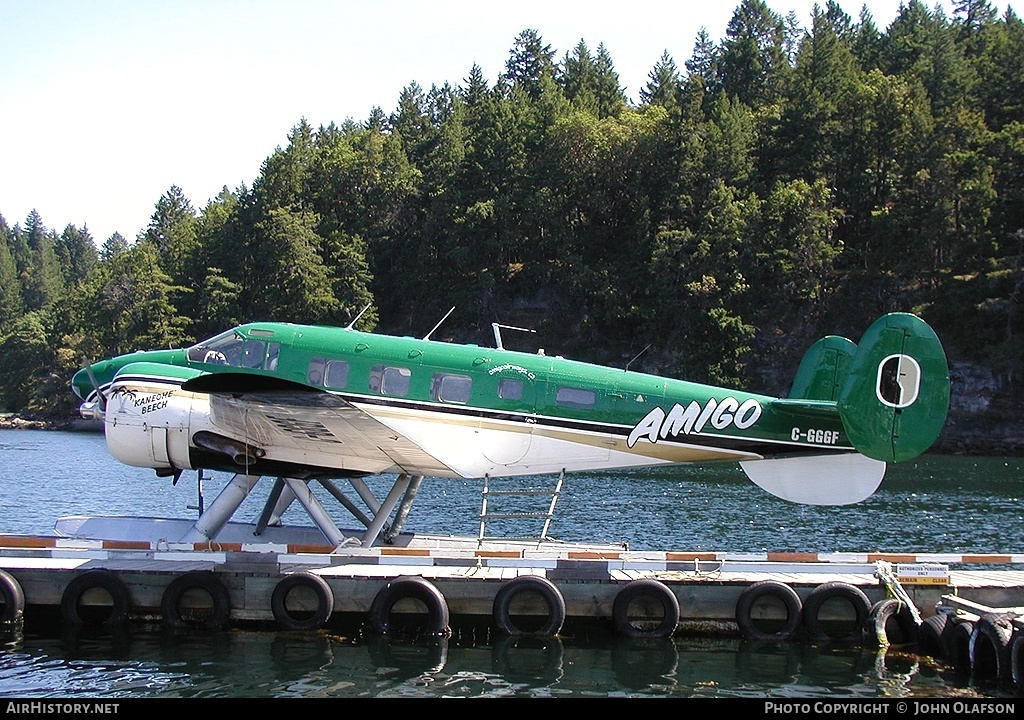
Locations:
column 230, row 348
column 510, row 389
column 273, row 350
column 337, row 373
column 575, row 398
column 450, row 388
column 315, row 372
column 252, row 354
column 225, row 349
column 389, row 380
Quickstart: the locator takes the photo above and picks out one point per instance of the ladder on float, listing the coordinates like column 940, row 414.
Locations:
column 487, row 513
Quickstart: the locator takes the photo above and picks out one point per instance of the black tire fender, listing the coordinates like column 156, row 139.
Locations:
column 205, row 580
column 891, row 614
column 501, row 608
column 989, row 647
column 415, row 587
column 745, row 606
column 959, row 649
column 1017, row 659
column 103, row 579
column 13, row 611
column 651, row 590
column 324, row 601
column 835, row 592
column 933, row 636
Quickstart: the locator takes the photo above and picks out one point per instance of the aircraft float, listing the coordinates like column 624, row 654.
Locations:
column 304, row 403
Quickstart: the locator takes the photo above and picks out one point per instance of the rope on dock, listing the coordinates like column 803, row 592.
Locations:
column 885, row 573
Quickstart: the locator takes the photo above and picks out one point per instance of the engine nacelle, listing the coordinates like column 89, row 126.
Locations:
column 148, row 424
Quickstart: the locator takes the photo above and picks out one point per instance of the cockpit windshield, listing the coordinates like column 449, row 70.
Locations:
column 231, row 348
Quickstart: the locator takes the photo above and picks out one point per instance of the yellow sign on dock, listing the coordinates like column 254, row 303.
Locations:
column 922, row 574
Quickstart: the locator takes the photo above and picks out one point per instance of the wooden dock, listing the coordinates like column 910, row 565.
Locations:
column 496, row 584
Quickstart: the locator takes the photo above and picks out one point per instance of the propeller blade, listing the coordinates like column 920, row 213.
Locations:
column 87, row 366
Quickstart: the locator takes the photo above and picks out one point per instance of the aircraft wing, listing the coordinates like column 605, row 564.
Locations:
column 318, row 429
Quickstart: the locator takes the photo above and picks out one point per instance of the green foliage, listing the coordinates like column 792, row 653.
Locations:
column 10, row 291
column 788, row 183
column 25, row 374
column 41, row 278
column 129, row 303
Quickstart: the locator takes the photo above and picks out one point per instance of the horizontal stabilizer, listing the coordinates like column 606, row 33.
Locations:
column 820, row 480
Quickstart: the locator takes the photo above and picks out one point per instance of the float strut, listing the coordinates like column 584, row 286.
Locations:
column 344, row 500
column 267, row 516
column 212, row 521
column 381, row 515
column 316, row 511
column 403, row 509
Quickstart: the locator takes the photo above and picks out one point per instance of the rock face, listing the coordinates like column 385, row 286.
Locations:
column 972, row 388
column 984, row 416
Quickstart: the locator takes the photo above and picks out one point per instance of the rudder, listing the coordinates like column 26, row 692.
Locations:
column 895, row 397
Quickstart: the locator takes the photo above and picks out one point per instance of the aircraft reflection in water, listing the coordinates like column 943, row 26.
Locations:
column 302, row 403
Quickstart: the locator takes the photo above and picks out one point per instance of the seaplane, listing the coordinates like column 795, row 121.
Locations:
column 310, row 405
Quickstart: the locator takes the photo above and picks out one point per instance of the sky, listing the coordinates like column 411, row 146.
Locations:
column 107, row 104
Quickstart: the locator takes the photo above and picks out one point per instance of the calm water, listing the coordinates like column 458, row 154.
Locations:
column 935, row 504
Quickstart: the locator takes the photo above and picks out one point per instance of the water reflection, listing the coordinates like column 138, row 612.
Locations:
column 151, row 661
column 528, row 660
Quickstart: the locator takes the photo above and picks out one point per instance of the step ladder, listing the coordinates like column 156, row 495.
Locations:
column 487, row 513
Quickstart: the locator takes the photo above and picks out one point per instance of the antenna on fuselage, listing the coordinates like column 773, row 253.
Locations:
column 427, row 336
column 356, row 318
column 497, row 333
column 636, row 356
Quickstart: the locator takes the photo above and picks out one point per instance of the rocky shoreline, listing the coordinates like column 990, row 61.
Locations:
column 13, row 421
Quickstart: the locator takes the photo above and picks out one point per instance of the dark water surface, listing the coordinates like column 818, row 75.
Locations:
column 935, row 504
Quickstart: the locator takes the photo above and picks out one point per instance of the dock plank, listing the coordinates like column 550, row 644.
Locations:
column 707, row 590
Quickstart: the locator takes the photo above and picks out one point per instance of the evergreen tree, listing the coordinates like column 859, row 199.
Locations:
column 815, row 112
column 295, row 285
column 412, row 123
column 921, row 44
column 130, row 298
column 11, row 306
column 703, row 61
column 28, row 358
column 578, row 78
column 172, row 231
column 530, row 62
column 663, row 84
column 217, row 303
column 752, row 62
column 1000, row 68
column 77, row 254
column 867, row 42
column 796, row 248
column 610, row 99
column 41, row 280
column 699, row 288
column 112, row 246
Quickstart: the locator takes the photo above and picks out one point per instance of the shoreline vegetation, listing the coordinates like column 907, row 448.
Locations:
column 784, row 183
column 1002, row 442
